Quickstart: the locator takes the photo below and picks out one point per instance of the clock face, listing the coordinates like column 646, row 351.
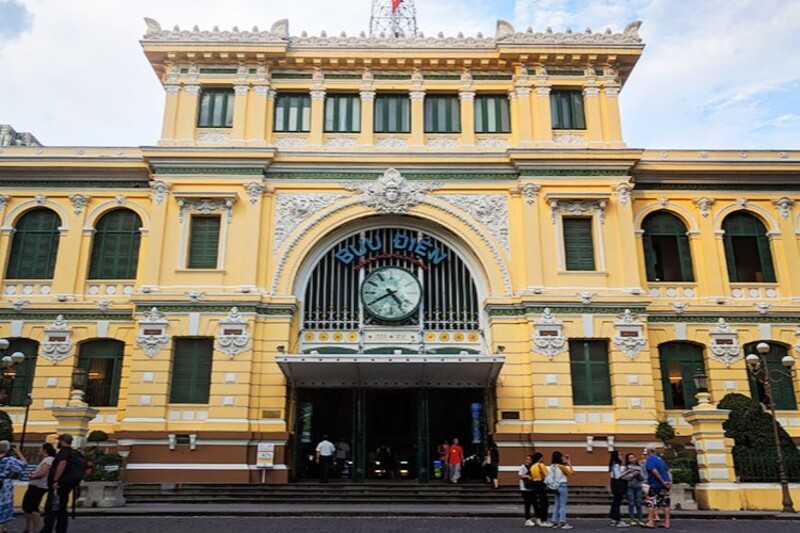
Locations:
column 391, row 293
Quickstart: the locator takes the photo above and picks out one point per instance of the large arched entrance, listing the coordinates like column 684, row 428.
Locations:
column 391, row 356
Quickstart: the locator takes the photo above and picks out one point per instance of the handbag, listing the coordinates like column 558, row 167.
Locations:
column 550, row 479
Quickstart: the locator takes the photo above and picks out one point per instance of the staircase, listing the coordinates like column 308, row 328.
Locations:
column 344, row 493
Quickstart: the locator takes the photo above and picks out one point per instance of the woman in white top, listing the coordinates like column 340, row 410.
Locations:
column 37, row 488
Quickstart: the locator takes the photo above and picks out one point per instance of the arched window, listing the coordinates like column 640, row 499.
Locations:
column 35, row 245
column 679, row 363
column 666, row 248
column 782, row 389
column 16, row 384
column 115, row 250
column 102, row 360
column 747, row 249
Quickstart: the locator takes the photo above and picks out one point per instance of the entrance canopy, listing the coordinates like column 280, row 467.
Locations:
column 406, row 370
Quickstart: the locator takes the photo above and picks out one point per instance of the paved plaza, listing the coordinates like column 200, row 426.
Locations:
column 238, row 524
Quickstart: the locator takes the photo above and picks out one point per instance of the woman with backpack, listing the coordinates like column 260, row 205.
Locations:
column 557, row 479
column 12, row 463
column 619, row 487
column 538, row 472
column 37, row 488
column 634, row 475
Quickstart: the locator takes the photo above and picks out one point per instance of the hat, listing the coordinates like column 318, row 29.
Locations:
column 65, row 437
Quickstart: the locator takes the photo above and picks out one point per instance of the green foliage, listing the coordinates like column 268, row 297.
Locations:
column 664, row 430
column 6, row 427
column 751, row 428
column 682, row 464
column 97, row 436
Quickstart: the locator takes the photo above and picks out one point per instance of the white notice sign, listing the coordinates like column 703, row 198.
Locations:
column 265, row 455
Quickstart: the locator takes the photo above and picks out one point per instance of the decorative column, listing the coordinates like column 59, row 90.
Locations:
column 367, row 93
column 627, row 239
column 239, row 113
column 153, row 245
column 467, row 97
column 170, row 114
column 612, row 128
column 417, row 96
column 524, row 110
column 316, row 135
column 717, row 489
column 257, row 107
column 269, row 126
column 188, row 102
column 594, row 121
column 542, row 116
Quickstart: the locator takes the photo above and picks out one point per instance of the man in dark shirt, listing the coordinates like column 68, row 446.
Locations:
column 58, row 517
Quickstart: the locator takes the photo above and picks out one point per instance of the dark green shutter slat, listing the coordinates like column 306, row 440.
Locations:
column 216, row 108
column 14, row 392
column 730, row 258
column 191, row 371
column 567, row 110
column 285, row 105
column 743, row 225
column 442, row 114
column 392, row 114
column 483, row 105
column 650, row 257
column 666, row 225
column 110, row 353
column 204, row 242
column 591, row 380
column 578, row 243
column 765, row 256
column 34, row 246
column 685, row 258
column 115, row 247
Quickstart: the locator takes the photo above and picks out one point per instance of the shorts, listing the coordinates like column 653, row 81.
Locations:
column 32, row 499
column 658, row 498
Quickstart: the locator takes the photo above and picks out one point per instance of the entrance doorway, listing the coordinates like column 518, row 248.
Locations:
column 392, row 434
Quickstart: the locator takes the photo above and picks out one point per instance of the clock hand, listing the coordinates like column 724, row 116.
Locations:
column 389, row 293
column 396, row 299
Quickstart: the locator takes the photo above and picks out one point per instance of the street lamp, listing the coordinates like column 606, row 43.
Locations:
column 701, row 387
column 760, row 371
column 9, row 365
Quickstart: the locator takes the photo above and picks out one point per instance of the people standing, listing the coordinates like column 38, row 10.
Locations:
column 325, row 451
column 633, row 475
column 538, row 472
column 37, row 488
column 660, row 482
column 444, row 454
column 342, row 453
column 526, row 488
column 619, row 487
column 560, row 470
column 60, row 483
column 492, row 462
column 12, row 463
column 455, row 458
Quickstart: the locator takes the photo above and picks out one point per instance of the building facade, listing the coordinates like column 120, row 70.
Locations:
column 394, row 241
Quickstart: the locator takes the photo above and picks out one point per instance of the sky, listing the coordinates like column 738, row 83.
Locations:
column 715, row 74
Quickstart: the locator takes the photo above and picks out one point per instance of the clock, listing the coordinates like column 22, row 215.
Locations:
column 391, row 293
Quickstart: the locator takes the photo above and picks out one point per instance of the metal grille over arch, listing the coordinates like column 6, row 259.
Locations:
column 449, row 312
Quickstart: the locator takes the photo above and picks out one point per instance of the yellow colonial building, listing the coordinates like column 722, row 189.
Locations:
column 393, row 241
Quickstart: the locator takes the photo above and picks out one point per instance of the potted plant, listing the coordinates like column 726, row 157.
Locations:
column 101, row 486
column 682, row 466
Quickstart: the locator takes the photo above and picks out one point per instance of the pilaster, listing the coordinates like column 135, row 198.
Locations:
column 256, row 123
column 269, row 123
column 417, row 137
column 315, row 136
column 188, row 101
column 542, row 116
column 612, row 129
column 172, row 92
column 239, row 126
column 367, row 136
column 467, row 98
column 714, row 458
column 594, row 121
column 153, row 243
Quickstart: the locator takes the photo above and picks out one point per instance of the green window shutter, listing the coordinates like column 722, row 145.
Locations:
column 730, row 258
column 744, row 226
column 392, row 114
column 216, row 108
column 204, row 242
column 684, row 359
column 292, row 113
column 677, row 259
column 567, row 110
column 191, row 370
column 442, row 114
column 34, row 246
column 342, row 113
column 115, row 247
column 591, row 380
column 492, row 114
column 102, row 360
column 578, row 243
column 765, row 257
column 650, row 258
column 13, row 392
column 783, row 395
column 685, row 258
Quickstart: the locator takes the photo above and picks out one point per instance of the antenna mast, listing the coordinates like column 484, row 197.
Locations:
column 394, row 18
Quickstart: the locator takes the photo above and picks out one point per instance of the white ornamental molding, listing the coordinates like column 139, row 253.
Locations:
column 440, row 143
column 704, row 205
column 762, row 307
column 630, row 334
column 19, row 304
column 679, row 307
column 57, row 343
column 490, row 210
column 586, row 298
column 797, row 345
column 233, row 337
column 724, row 345
column 577, row 208
column 159, row 190
column 292, row 209
column 103, row 305
column 195, row 296
column 79, row 202
column 623, row 191
column 341, row 142
column 255, row 190
column 291, row 141
column 391, row 143
column 152, row 337
column 548, row 335
column 40, row 199
column 4, row 201
column 213, row 137
column 391, row 193
column 529, row 192
column 569, row 138
column 784, row 205
column 206, row 206
column 492, row 142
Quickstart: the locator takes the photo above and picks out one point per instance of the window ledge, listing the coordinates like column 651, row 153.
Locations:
column 202, row 270
column 596, row 273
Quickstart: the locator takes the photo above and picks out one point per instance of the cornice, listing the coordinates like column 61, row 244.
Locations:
column 525, row 310
column 772, row 318
column 71, row 316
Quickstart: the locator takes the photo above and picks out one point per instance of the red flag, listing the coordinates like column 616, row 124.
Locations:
column 396, row 5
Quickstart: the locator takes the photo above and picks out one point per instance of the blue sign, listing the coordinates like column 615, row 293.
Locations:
column 403, row 245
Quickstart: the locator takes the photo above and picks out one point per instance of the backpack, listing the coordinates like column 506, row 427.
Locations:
column 550, row 479
column 75, row 470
